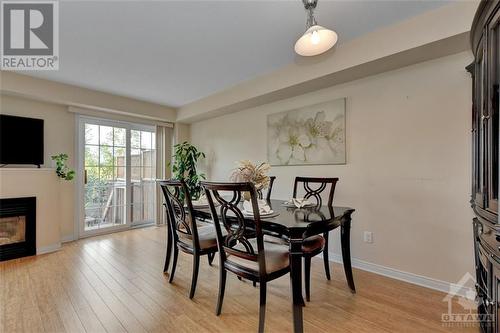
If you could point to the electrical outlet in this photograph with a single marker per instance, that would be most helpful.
(368, 237)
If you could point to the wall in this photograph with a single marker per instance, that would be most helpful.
(70, 95)
(49, 191)
(181, 133)
(408, 163)
(59, 137)
(431, 35)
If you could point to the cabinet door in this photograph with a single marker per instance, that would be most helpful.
(492, 112)
(479, 167)
(496, 296)
(486, 305)
(484, 270)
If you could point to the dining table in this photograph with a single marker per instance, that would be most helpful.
(295, 224)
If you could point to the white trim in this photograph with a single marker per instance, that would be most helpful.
(68, 238)
(48, 248)
(105, 231)
(119, 116)
(78, 179)
(412, 278)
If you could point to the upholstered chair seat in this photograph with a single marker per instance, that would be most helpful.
(313, 244)
(206, 237)
(277, 257)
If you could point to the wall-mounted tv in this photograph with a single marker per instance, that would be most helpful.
(21, 140)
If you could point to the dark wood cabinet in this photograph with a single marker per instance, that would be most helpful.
(485, 71)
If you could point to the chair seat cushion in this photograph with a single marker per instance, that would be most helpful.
(313, 243)
(206, 236)
(277, 257)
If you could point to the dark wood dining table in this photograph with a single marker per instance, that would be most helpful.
(296, 224)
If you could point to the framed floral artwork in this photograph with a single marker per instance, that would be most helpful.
(312, 134)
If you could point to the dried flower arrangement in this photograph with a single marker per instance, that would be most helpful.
(250, 172)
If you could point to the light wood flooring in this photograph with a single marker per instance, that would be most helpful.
(114, 283)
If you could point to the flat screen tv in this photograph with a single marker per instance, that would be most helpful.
(21, 140)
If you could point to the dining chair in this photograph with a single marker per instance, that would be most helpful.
(187, 234)
(313, 189)
(269, 189)
(243, 251)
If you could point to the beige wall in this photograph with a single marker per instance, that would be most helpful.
(22, 95)
(59, 137)
(70, 95)
(431, 35)
(181, 133)
(49, 191)
(408, 163)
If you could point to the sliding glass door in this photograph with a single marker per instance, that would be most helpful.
(143, 171)
(117, 168)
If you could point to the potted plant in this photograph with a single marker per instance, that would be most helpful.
(186, 156)
(62, 170)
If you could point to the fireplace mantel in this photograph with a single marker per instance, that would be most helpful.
(46, 187)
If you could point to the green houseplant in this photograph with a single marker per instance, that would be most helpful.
(62, 170)
(186, 157)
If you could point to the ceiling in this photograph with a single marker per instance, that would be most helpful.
(176, 52)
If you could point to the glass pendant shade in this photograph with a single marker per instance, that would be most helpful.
(316, 40)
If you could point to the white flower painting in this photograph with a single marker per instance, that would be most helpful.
(309, 135)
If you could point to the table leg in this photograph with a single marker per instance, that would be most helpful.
(345, 232)
(296, 283)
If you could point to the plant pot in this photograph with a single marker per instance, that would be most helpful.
(246, 196)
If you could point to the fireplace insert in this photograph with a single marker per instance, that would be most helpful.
(17, 227)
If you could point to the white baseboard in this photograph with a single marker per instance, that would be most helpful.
(67, 238)
(412, 278)
(48, 248)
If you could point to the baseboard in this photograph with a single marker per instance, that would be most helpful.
(419, 280)
(48, 248)
(67, 238)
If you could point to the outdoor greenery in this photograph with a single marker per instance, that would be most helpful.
(186, 156)
(62, 170)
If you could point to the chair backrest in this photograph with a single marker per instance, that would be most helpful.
(181, 218)
(269, 189)
(319, 185)
(239, 230)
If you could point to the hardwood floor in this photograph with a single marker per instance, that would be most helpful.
(114, 283)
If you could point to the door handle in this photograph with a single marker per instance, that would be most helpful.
(85, 176)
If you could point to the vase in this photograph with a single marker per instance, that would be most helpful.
(246, 196)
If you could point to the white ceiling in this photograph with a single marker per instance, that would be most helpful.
(175, 52)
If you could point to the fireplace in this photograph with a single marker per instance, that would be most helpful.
(17, 228)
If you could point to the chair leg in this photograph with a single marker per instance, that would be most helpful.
(169, 249)
(307, 277)
(262, 308)
(211, 257)
(222, 287)
(174, 263)
(325, 257)
(196, 265)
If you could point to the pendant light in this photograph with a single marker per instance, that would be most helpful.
(316, 39)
